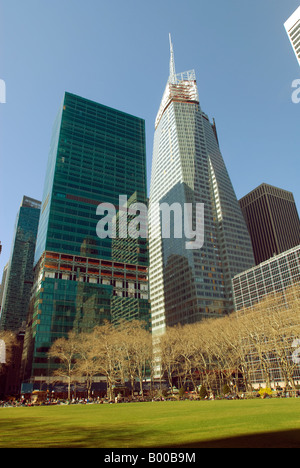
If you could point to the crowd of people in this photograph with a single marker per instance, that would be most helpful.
(46, 400)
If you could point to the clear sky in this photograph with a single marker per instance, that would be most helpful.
(116, 52)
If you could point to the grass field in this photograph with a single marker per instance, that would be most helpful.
(184, 424)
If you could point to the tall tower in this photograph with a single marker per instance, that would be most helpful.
(97, 154)
(18, 278)
(188, 284)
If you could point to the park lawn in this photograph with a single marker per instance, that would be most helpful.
(237, 423)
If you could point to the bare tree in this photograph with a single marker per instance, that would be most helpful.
(214, 351)
(135, 343)
(268, 330)
(169, 354)
(87, 359)
(284, 328)
(256, 329)
(65, 350)
(107, 354)
(141, 353)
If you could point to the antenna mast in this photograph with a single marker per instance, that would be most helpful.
(172, 77)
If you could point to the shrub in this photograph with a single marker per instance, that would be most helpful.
(265, 392)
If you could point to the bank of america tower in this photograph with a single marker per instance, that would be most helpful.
(189, 284)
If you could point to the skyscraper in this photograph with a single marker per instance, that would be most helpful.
(18, 279)
(2, 286)
(272, 219)
(97, 154)
(188, 284)
(292, 27)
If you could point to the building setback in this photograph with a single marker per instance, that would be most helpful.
(18, 278)
(97, 154)
(272, 219)
(187, 285)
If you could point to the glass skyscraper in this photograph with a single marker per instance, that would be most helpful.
(96, 154)
(18, 278)
(187, 285)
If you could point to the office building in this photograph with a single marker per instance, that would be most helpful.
(272, 219)
(292, 27)
(188, 284)
(17, 278)
(272, 276)
(97, 154)
(278, 275)
(2, 286)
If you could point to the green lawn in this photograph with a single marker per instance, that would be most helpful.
(185, 424)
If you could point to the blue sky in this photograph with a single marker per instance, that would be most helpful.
(116, 52)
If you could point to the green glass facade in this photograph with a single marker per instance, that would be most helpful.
(96, 154)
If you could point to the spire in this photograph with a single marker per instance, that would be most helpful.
(172, 76)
